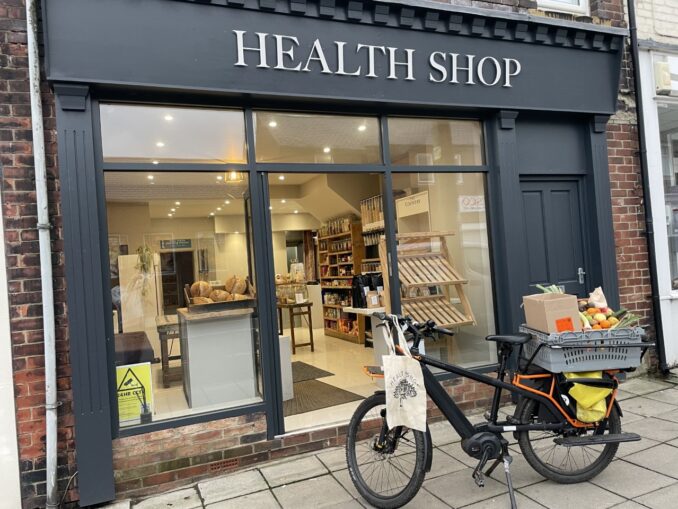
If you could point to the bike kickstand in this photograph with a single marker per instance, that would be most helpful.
(507, 468)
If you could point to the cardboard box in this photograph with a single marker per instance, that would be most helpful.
(552, 312)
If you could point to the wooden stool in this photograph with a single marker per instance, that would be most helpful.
(301, 309)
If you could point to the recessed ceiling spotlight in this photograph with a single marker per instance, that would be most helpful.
(362, 127)
(270, 207)
(177, 203)
(236, 232)
(283, 201)
(150, 177)
(211, 213)
(327, 150)
(218, 208)
(296, 211)
(281, 177)
(156, 162)
(160, 144)
(220, 177)
(169, 215)
(173, 210)
(273, 123)
(168, 117)
(227, 202)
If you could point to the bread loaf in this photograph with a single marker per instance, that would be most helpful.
(219, 295)
(201, 289)
(240, 286)
(202, 300)
(229, 284)
(239, 296)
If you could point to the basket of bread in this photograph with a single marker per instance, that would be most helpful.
(236, 292)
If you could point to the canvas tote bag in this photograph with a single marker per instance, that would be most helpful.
(404, 385)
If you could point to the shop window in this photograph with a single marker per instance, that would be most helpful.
(160, 134)
(307, 138)
(435, 142)
(668, 133)
(183, 304)
(444, 261)
(574, 6)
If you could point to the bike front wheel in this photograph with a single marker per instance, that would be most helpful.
(387, 466)
(559, 463)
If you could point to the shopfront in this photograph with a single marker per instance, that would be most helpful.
(256, 157)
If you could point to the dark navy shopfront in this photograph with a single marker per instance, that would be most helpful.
(530, 97)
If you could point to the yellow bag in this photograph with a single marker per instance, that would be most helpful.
(591, 405)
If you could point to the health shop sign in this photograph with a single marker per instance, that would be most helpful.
(203, 47)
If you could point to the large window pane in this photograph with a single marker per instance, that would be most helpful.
(160, 134)
(305, 138)
(668, 132)
(444, 261)
(435, 142)
(184, 309)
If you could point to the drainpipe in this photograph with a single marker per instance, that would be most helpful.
(647, 201)
(43, 226)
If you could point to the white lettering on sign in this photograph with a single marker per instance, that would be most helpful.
(369, 60)
(472, 203)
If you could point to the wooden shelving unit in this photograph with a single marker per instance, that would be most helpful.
(339, 264)
(429, 280)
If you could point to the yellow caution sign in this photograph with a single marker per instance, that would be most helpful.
(135, 393)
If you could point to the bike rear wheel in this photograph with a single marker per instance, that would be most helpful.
(559, 463)
(387, 473)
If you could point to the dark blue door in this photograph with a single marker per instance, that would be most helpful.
(554, 214)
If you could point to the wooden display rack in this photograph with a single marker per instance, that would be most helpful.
(425, 262)
(329, 262)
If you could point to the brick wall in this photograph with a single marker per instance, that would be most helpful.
(657, 20)
(23, 266)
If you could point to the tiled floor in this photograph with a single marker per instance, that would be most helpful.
(644, 474)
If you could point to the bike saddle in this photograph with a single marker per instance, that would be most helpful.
(513, 339)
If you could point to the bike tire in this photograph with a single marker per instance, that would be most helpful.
(360, 433)
(527, 412)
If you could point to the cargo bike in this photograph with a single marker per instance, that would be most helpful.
(388, 466)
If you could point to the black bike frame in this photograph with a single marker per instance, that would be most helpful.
(457, 418)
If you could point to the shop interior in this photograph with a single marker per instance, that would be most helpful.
(183, 280)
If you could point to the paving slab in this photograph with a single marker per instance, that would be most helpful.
(443, 433)
(458, 453)
(260, 500)
(503, 500)
(231, 486)
(627, 448)
(333, 459)
(661, 499)
(643, 385)
(458, 488)
(344, 478)
(522, 474)
(320, 492)
(120, 504)
(629, 480)
(622, 395)
(182, 499)
(425, 500)
(558, 496)
(629, 504)
(647, 407)
(661, 458)
(629, 417)
(665, 396)
(351, 504)
(293, 470)
(656, 429)
(669, 416)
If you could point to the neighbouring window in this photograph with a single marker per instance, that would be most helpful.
(183, 305)
(435, 142)
(310, 138)
(575, 6)
(444, 261)
(162, 134)
(668, 134)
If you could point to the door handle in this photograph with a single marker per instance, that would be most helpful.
(580, 275)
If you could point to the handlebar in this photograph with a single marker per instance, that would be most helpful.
(417, 329)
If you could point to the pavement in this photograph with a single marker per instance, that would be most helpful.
(643, 475)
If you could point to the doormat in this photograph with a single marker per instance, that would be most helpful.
(312, 395)
(302, 371)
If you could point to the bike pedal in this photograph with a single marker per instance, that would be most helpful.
(479, 479)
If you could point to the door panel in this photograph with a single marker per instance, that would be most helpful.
(553, 215)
